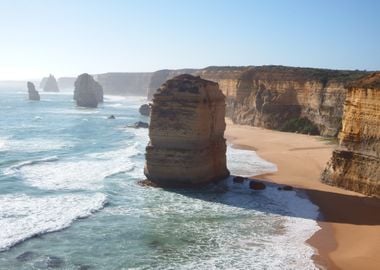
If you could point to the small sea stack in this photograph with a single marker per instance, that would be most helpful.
(187, 145)
(50, 85)
(33, 93)
(88, 92)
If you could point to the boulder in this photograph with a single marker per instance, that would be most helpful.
(51, 84)
(144, 109)
(33, 93)
(238, 179)
(256, 185)
(140, 124)
(187, 145)
(87, 93)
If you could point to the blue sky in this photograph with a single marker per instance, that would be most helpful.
(68, 37)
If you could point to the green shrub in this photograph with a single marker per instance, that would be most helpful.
(300, 125)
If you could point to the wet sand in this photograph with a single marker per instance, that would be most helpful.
(350, 222)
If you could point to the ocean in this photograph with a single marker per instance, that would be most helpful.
(70, 198)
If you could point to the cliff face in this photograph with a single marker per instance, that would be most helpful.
(187, 145)
(125, 84)
(292, 99)
(87, 92)
(161, 76)
(66, 82)
(51, 84)
(356, 164)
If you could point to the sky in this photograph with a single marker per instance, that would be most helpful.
(69, 37)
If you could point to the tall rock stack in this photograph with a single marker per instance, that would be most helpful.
(51, 84)
(33, 93)
(187, 145)
(87, 92)
(356, 164)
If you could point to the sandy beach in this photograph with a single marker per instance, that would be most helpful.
(350, 223)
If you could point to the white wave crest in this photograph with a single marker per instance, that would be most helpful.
(22, 216)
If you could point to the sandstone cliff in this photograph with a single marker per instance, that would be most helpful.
(356, 164)
(161, 76)
(87, 92)
(292, 99)
(32, 92)
(51, 84)
(66, 82)
(187, 145)
(124, 83)
(227, 78)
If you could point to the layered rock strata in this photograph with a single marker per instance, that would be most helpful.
(187, 145)
(356, 164)
(292, 99)
(51, 84)
(87, 92)
(32, 92)
(125, 83)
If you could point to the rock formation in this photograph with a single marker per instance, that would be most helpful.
(144, 109)
(33, 93)
(124, 83)
(356, 164)
(87, 92)
(66, 82)
(186, 132)
(51, 84)
(292, 99)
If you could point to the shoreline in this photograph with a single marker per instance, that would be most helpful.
(349, 237)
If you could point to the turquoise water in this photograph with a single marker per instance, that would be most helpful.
(69, 198)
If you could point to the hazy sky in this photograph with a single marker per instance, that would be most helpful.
(68, 37)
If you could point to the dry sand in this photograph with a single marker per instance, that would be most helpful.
(350, 222)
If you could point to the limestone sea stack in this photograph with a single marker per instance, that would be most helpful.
(51, 84)
(355, 165)
(33, 93)
(87, 92)
(187, 145)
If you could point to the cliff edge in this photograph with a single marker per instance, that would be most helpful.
(356, 164)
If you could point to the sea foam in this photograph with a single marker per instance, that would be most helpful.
(22, 216)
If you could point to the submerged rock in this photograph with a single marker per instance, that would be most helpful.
(51, 84)
(144, 109)
(111, 117)
(256, 185)
(140, 124)
(238, 179)
(187, 145)
(26, 256)
(87, 93)
(286, 188)
(33, 93)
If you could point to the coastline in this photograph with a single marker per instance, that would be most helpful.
(349, 237)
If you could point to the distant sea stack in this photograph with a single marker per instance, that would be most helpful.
(356, 164)
(51, 84)
(187, 145)
(33, 93)
(87, 92)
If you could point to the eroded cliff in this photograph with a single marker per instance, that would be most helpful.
(124, 83)
(356, 164)
(292, 99)
(187, 145)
